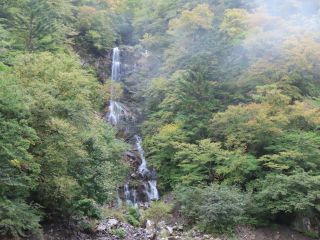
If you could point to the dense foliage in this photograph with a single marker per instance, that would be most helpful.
(229, 91)
(59, 160)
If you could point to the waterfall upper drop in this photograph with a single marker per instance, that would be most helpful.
(117, 110)
(115, 74)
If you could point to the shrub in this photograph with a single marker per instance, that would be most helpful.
(88, 207)
(114, 213)
(215, 208)
(133, 216)
(159, 211)
(87, 225)
(119, 232)
(18, 218)
(222, 208)
(188, 200)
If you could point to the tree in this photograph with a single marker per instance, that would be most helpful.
(76, 148)
(95, 30)
(281, 194)
(38, 24)
(19, 169)
(215, 208)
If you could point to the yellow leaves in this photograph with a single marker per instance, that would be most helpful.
(16, 163)
(235, 22)
(114, 4)
(148, 40)
(87, 10)
(280, 161)
(200, 17)
(302, 51)
(272, 95)
(169, 130)
(159, 84)
(66, 187)
(309, 113)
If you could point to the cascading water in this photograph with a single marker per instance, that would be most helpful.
(117, 110)
(127, 193)
(115, 74)
(118, 114)
(150, 189)
(143, 170)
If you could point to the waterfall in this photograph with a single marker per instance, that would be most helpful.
(143, 170)
(134, 198)
(115, 74)
(127, 193)
(117, 115)
(151, 190)
(117, 110)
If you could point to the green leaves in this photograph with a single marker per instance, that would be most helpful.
(38, 24)
(298, 192)
(17, 218)
(53, 143)
(215, 208)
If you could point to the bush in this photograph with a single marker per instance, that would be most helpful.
(222, 208)
(188, 200)
(133, 216)
(88, 207)
(18, 218)
(119, 232)
(119, 214)
(159, 211)
(215, 208)
(87, 225)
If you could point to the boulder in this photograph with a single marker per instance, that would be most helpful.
(102, 227)
(170, 229)
(112, 223)
(305, 224)
(150, 229)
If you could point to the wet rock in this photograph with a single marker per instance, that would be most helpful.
(102, 227)
(112, 223)
(170, 229)
(134, 175)
(162, 225)
(178, 228)
(151, 229)
(131, 155)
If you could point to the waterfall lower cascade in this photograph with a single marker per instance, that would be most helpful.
(150, 189)
(145, 189)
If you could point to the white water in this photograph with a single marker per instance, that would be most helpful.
(151, 190)
(127, 193)
(143, 169)
(115, 74)
(134, 198)
(117, 110)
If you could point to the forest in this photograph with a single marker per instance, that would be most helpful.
(228, 98)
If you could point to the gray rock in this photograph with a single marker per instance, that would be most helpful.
(150, 229)
(162, 225)
(112, 223)
(101, 227)
(170, 229)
